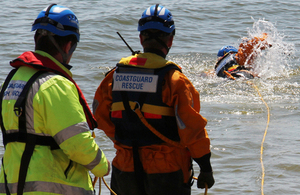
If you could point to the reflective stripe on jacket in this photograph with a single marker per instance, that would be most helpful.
(52, 109)
(179, 94)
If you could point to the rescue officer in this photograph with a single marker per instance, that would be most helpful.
(234, 62)
(150, 110)
(45, 119)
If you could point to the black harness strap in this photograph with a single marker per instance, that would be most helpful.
(5, 84)
(19, 106)
(163, 71)
(41, 140)
(5, 180)
(26, 156)
(127, 107)
(30, 139)
(138, 165)
(138, 168)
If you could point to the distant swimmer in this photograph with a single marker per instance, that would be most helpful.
(234, 63)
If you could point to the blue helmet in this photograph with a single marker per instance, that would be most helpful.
(157, 17)
(59, 20)
(224, 50)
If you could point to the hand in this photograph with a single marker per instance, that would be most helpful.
(205, 178)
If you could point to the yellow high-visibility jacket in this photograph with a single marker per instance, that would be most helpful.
(53, 110)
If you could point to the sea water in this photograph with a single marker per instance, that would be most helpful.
(237, 117)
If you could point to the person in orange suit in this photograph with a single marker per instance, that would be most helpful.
(234, 62)
(144, 89)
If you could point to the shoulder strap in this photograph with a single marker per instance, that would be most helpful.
(30, 140)
(163, 71)
(19, 106)
(26, 156)
(4, 86)
(5, 179)
(30, 143)
(135, 114)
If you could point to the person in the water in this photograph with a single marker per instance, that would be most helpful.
(233, 63)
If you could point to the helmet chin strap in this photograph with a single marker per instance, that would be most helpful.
(64, 55)
(155, 36)
(162, 43)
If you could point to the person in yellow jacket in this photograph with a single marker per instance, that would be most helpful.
(150, 110)
(45, 120)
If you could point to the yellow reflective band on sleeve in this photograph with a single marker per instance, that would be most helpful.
(160, 110)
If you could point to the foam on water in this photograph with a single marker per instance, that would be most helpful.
(276, 60)
(235, 113)
(276, 67)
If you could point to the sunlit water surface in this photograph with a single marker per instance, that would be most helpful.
(237, 117)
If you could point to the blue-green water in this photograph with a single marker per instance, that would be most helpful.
(237, 117)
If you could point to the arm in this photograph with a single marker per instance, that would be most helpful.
(249, 49)
(65, 120)
(178, 92)
(102, 105)
(181, 94)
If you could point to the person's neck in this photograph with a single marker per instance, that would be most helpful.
(59, 58)
(155, 51)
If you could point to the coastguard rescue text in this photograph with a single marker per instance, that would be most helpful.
(135, 82)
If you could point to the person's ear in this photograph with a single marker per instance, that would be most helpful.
(170, 41)
(141, 39)
(67, 47)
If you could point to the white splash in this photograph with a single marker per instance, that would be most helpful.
(274, 61)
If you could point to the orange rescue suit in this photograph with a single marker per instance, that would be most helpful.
(178, 93)
(247, 51)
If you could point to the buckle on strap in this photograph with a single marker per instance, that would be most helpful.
(136, 106)
(18, 111)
